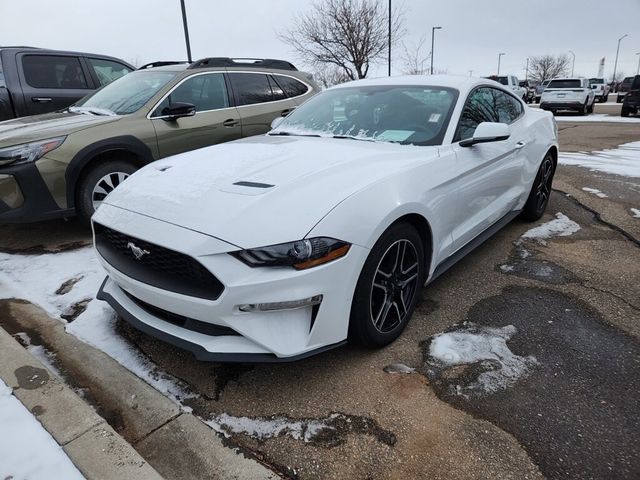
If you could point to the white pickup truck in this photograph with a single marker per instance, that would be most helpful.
(600, 89)
(512, 83)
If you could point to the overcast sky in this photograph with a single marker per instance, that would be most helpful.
(473, 32)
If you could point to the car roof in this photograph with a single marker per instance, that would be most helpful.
(18, 49)
(462, 83)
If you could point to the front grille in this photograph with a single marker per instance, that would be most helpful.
(158, 266)
(184, 322)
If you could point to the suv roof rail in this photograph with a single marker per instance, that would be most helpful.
(242, 62)
(160, 64)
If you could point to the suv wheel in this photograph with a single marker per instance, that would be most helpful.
(590, 107)
(625, 112)
(388, 288)
(98, 183)
(583, 109)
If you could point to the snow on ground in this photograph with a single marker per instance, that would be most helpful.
(263, 428)
(27, 451)
(624, 160)
(562, 226)
(597, 117)
(635, 212)
(484, 345)
(56, 282)
(595, 192)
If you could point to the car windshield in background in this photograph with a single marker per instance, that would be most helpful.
(502, 80)
(564, 84)
(408, 115)
(596, 81)
(635, 85)
(126, 94)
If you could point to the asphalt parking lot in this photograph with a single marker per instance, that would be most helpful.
(574, 303)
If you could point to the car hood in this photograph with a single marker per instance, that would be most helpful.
(261, 190)
(39, 127)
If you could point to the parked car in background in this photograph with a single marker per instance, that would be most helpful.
(36, 80)
(623, 88)
(539, 89)
(600, 89)
(63, 163)
(631, 100)
(277, 247)
(568, 94)
(529, 89)
(510, 82)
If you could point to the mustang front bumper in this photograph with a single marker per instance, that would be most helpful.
(216, 330)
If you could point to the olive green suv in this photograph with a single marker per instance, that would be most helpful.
(65, 163)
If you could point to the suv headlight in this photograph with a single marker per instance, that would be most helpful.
(300, 255)
(29, 152)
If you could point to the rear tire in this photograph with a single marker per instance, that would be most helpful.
(97, 183)
(625, 112)
(590, 107)
(388, 287)
(540, 191)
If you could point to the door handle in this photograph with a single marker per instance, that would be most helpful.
(286, 111)
(41, 99)
(520, 145)
(232, 122)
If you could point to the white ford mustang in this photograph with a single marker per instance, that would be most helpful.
(276, 247)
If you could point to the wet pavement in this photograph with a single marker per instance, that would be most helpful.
(354, 413)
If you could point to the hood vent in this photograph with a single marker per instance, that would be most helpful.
(253, 184)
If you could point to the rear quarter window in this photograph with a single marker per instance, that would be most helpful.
(291, 86)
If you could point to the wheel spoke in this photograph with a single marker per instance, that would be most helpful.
(384, 311)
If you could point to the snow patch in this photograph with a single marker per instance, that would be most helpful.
(635, 212)
(624, 160)
(486, 346)
(595, 191)
(39, 279)
(596, 117)
(562, 226)
(264, 428)
(27, 451)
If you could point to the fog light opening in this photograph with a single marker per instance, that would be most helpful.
(273, 306)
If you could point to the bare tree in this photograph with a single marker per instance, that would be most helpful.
(415, 59)
(329, 75)
(546, 67)
(349, 34)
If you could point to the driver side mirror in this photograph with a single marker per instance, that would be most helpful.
(178, 110)
(488, 132)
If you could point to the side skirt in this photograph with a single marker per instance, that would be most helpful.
(450, 261)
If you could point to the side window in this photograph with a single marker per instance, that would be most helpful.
(480, 107)
(291, 86)
(51, 71)
(251, 88)
(206, 92)
(487, 105)
(278, 93)
(106, 70)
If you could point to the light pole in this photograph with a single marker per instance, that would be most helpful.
(186, 30)
(526, 73)
(471, 73)
(389, 37)
(499, 57)
(638, 69)
(615, 65)
(574, 61)
(433, 33)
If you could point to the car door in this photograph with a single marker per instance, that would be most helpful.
(52, 81)
(259, 99)
(490, 174)
(216, 119)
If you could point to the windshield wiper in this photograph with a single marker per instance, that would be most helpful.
(92, 111)
(349, 137)
(289, 134)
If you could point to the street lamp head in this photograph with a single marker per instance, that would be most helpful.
(502, 54)
(624, 36)
(437, 28)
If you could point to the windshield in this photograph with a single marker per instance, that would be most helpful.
(126, 94)
(408, 115)
(564, 84)
(596, 81)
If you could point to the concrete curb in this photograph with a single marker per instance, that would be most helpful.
(91, 444)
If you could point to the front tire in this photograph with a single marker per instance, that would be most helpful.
(540, 191)
(388, 288)
(98, 183)
(625, 112)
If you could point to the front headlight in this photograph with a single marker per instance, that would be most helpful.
(29, 152)
(300, 255)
